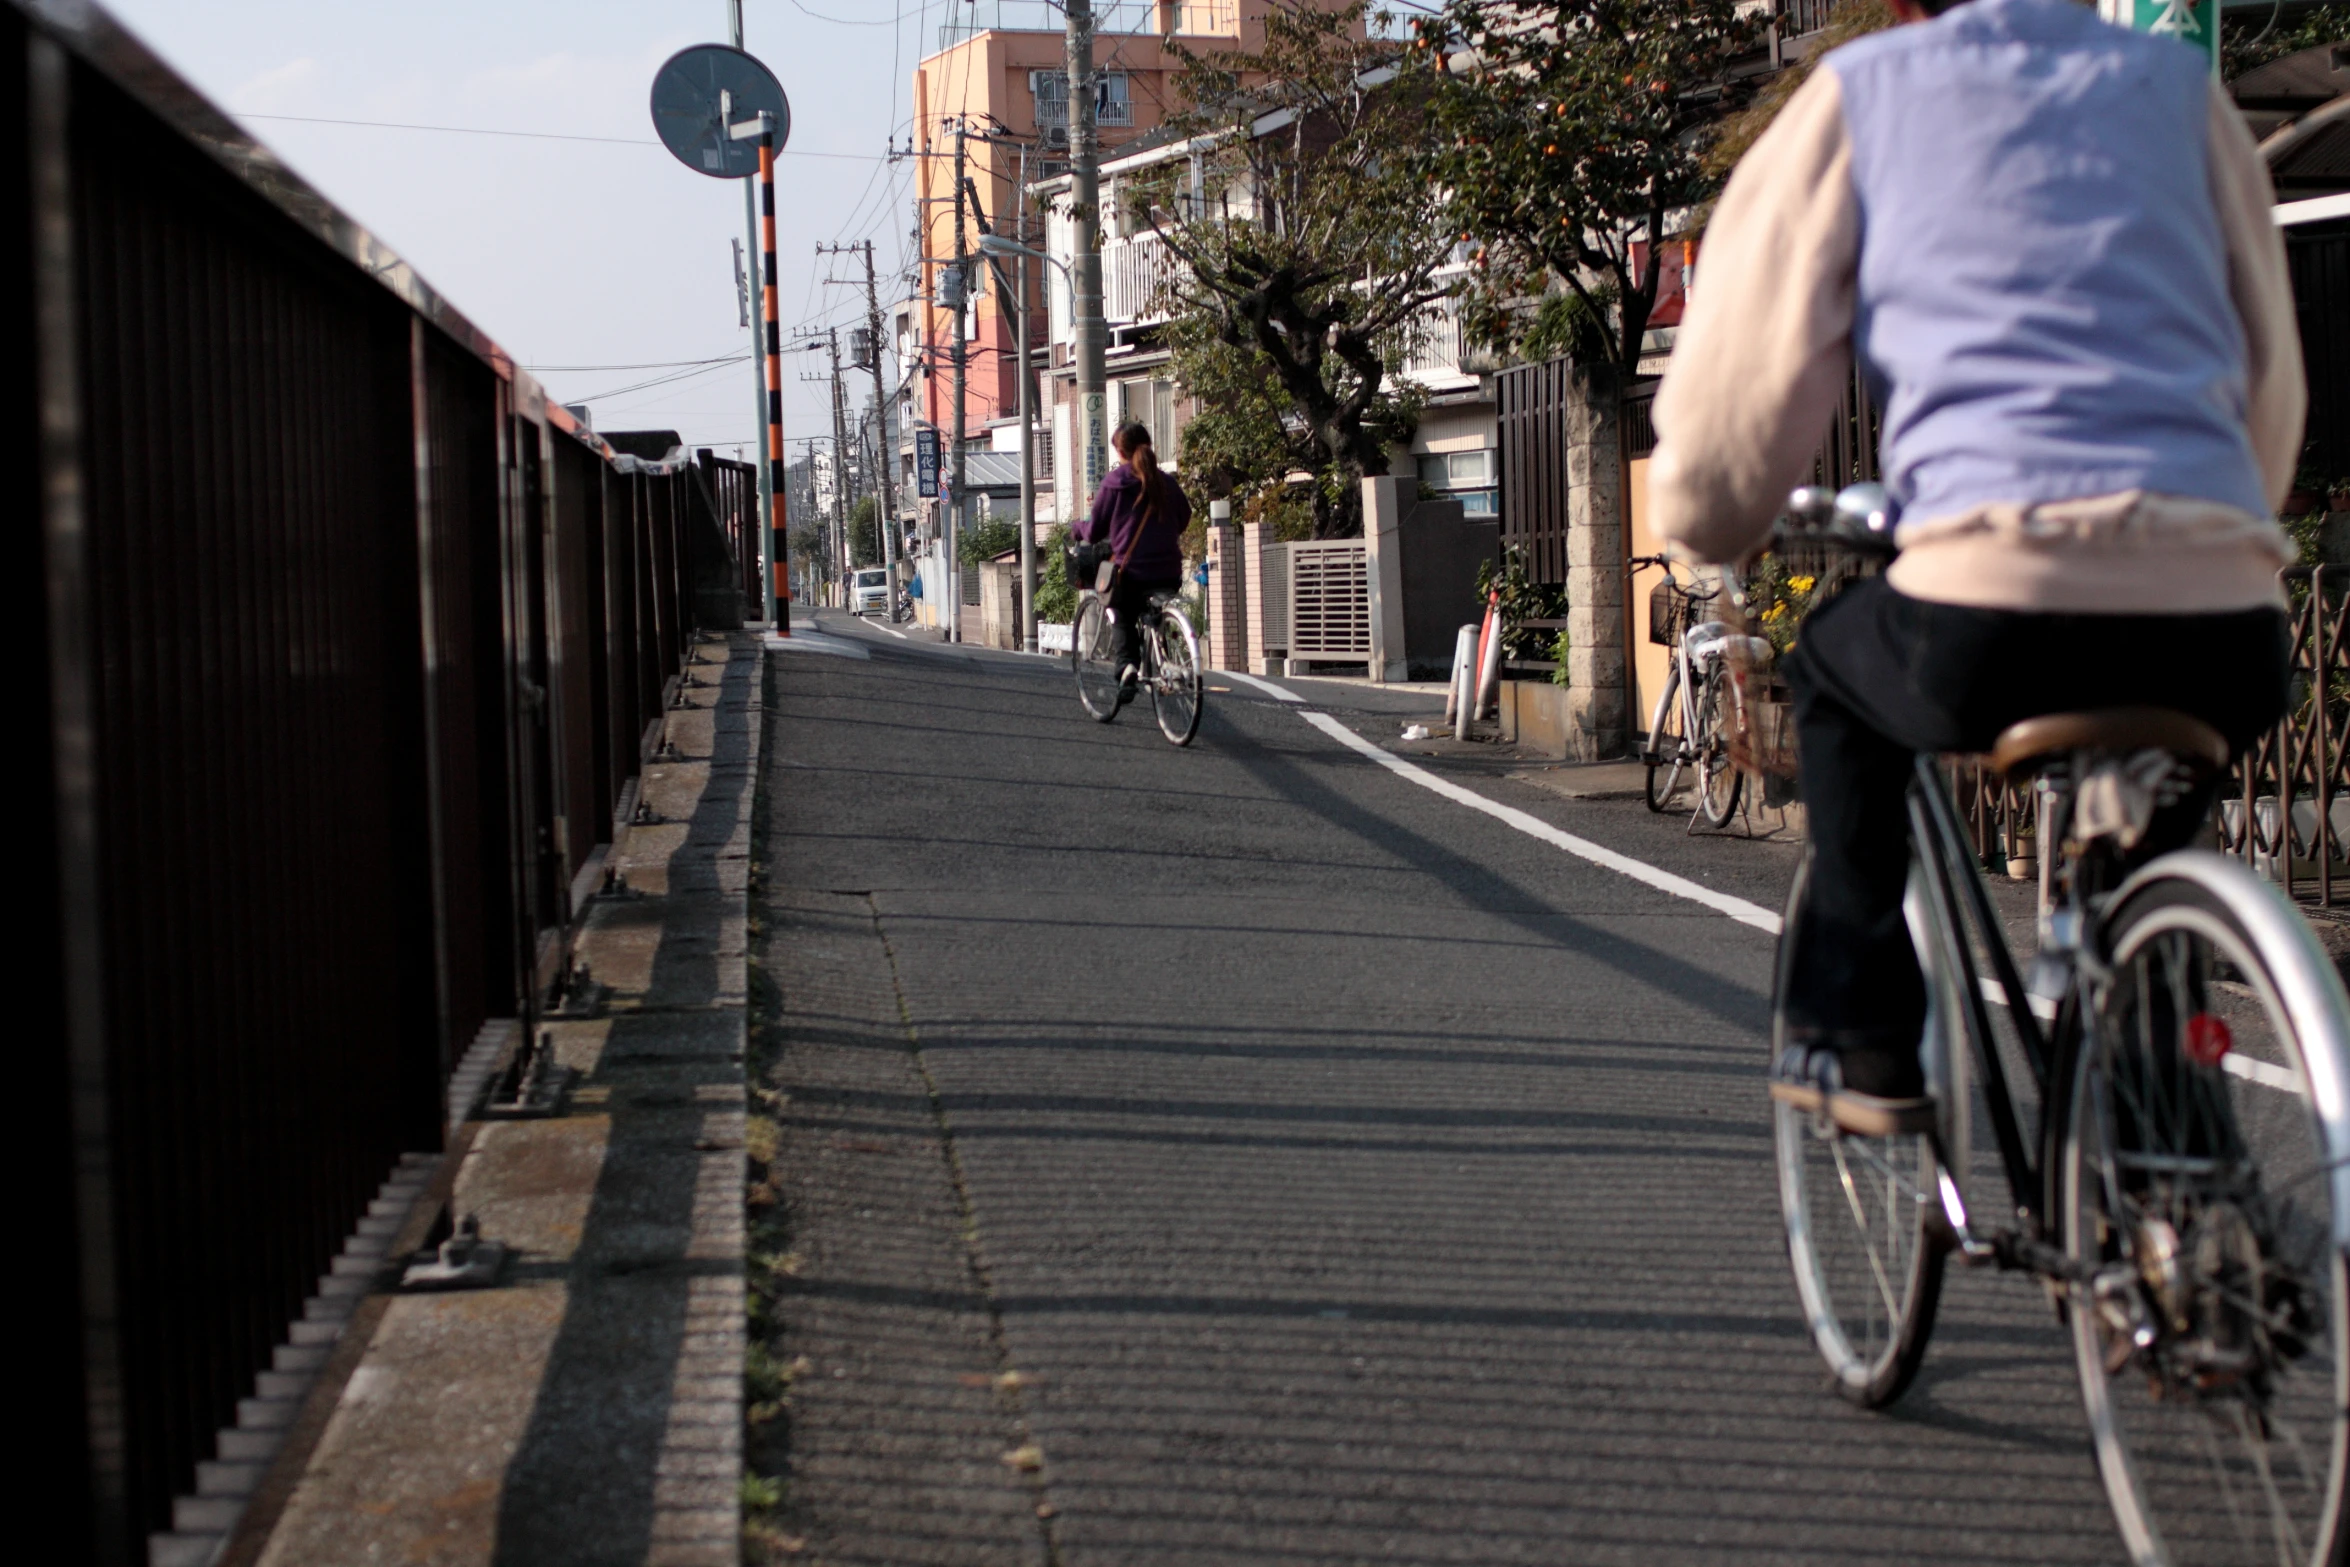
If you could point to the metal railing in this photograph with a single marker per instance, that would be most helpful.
(348, 649)
(2287, 810)
(1798, 17)
(1435, 346)
(1215, 18)
(1135, 271)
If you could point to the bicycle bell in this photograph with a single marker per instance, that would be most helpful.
(1863, 514)
(1811, 503)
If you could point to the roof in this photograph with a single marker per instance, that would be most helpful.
(2299, 107)
(651, 444)
(991, 473)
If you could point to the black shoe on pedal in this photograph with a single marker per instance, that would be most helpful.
(1872, 1092)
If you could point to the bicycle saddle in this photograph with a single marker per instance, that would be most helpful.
(2022, 747)
(1162, 600)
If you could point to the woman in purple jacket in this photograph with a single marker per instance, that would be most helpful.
(1140, 513)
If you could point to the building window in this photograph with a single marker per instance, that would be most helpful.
(1467, 477)
(1112, 104)
(1150, 402)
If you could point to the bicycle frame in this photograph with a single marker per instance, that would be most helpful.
(1681, 685)
(1957, 890)
(1955, 885)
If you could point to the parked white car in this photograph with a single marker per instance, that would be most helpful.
(869, 591)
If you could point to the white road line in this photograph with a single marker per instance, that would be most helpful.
(817, 642)
(2243, 1066)
(1532, 826)
(1265, 686)
(1739, 909)
(2267, 1076)
(2042, 1008)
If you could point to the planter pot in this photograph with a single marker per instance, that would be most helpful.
(1534, 717)
(2300, 503)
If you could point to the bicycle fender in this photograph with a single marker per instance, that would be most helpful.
(2308, 984)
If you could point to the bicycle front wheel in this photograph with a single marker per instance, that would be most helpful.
(1718, 780)
(1666, 744)
(1093, 654)
(1861, 1212)
(1178, 691)
(2197, 1188)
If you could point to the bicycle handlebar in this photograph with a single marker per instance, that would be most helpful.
(1860, 518)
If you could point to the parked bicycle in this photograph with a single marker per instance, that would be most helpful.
(2185, 1196)
(1170, 668)
(1696, 711)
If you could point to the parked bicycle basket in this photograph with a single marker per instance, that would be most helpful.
(1673, 609)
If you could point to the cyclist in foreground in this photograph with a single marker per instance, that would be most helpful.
(1139, 515)
(2048, 242)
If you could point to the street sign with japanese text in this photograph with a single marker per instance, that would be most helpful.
(926, 462)
(1097, 441)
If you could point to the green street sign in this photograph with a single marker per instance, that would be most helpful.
(2194, 23)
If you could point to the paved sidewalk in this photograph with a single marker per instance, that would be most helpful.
(588, 1409)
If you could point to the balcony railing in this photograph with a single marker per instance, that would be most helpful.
(1798, 17)
(1133, 272)
(1146, 17)
(1437, 346)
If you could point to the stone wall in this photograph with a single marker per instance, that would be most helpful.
(1595, 569)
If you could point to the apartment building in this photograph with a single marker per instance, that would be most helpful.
(991, 117)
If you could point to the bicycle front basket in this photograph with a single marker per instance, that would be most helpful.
(1085, 560)
(1668, 612)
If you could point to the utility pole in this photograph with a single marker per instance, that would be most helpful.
(954, 564)
(887, 521)
(1027, 432)
(768, 559)
(840, 463)
(1085, 266)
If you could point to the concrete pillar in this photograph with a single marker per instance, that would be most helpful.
(1595, 568)
(1227, 591)
(1253, 535)
(1385, 503)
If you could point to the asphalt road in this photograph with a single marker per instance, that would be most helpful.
(1339, 1173)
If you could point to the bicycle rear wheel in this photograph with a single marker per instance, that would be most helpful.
(1177, 688)
(1665, 743)
(1862, 1213)
(1718, 780)
(1093, 654)
(2199, 1180)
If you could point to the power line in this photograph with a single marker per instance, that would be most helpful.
(482, 130)
(658, 364)
(840, 21)
(662, 380)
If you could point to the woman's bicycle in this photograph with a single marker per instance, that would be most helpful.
(1691, 727)
(1170, 662)
(2185, 1195)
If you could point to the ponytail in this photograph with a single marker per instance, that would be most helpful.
(1134, 444)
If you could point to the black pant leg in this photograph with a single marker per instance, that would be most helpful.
(1853, 967)
(1130, 601)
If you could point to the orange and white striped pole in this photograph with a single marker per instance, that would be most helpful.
(781, 587)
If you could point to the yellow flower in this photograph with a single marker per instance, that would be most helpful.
(1773, 613)
(1803, 584)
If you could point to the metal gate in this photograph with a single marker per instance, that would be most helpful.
(1330, 600)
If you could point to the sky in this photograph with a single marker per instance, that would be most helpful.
(581, 253)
